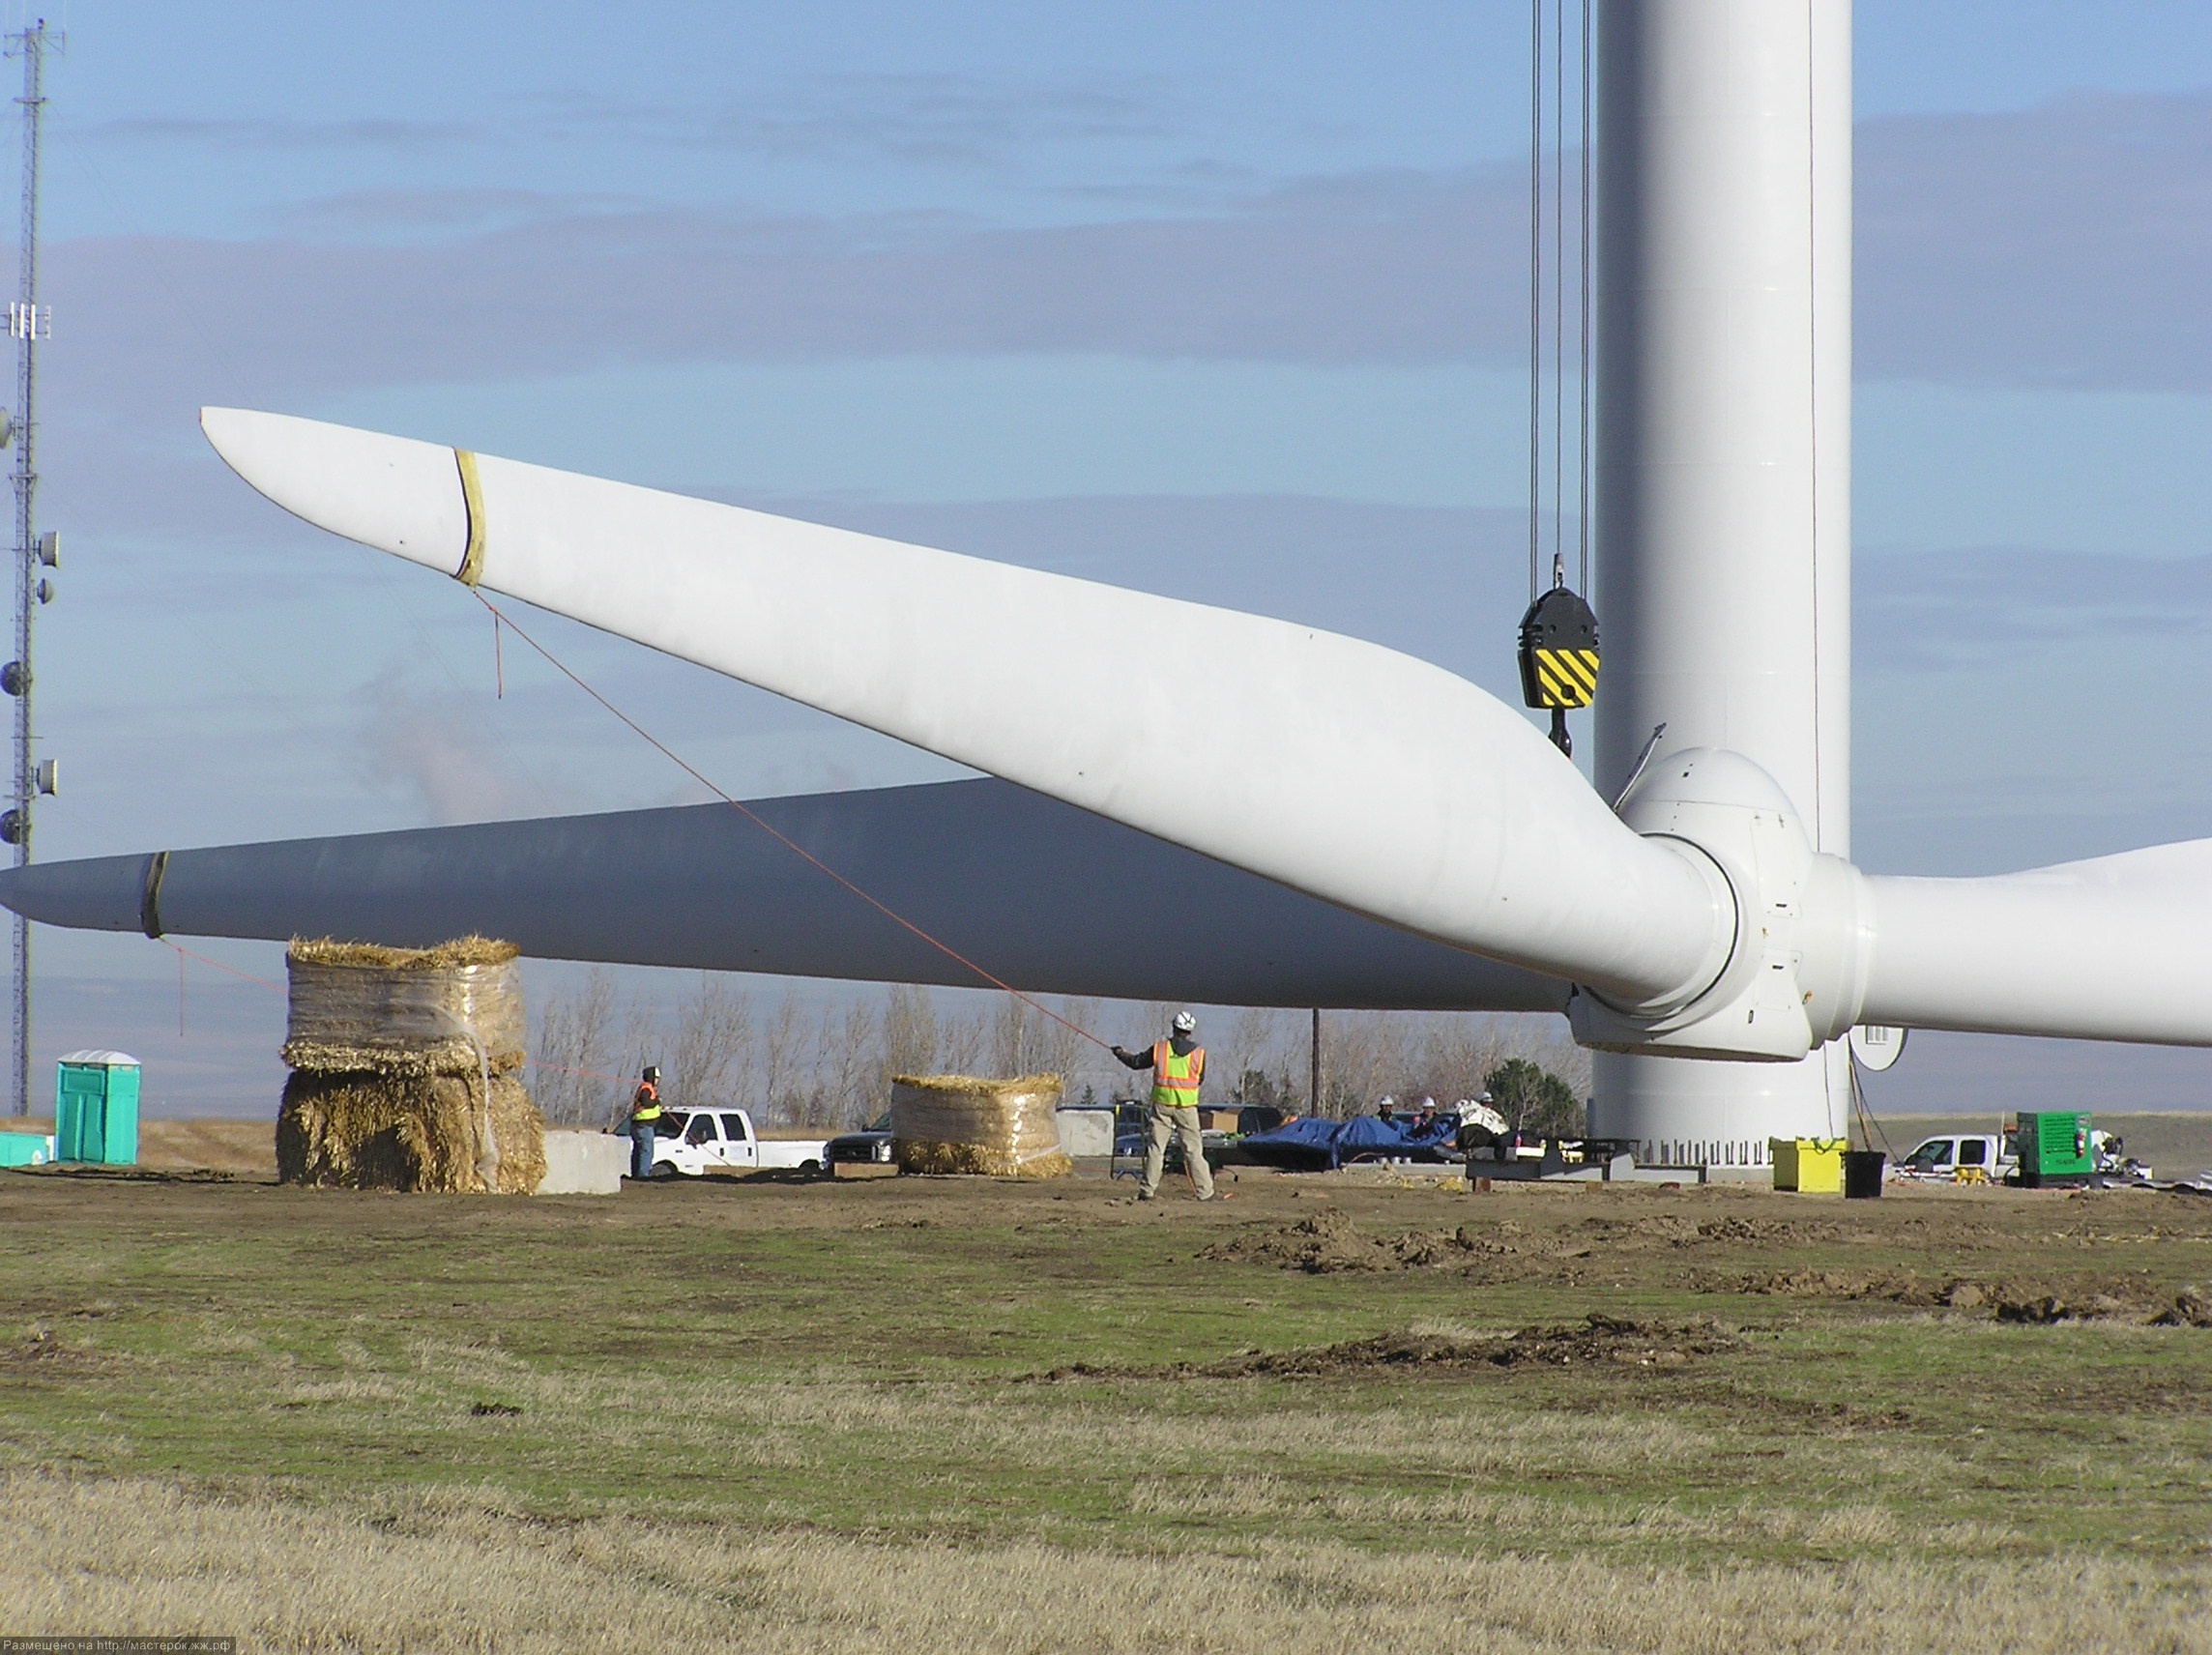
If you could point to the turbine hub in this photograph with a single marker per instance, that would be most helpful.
(1788, 968)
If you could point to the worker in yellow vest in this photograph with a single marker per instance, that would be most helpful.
(644, 1121)
(1178, 1067)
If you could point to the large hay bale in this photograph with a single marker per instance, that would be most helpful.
(357, 1007)
(956, 1123)
(380, 1129)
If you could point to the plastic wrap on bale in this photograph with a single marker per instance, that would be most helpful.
(957, 1123)
(356, 1005)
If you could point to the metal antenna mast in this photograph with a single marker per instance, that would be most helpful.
(28, 322)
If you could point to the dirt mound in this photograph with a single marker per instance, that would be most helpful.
(2029, 1304)
(2188, 1308)
(2191, 1308)
(1597, 1339)
(1330, 1243)
(1841, 1284)
(1764, 1230)
(1680, 1230)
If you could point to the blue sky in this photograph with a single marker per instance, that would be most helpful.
(1101, 287)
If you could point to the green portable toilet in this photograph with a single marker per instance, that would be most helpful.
(96, 1107)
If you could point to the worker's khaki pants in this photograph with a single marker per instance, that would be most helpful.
(1167, 1123)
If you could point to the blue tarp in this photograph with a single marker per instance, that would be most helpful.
(1318, 1142)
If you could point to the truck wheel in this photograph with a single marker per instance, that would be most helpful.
(812, 1169)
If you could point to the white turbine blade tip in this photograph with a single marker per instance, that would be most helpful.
(394, 493)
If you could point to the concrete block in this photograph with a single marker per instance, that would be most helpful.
(1086, 1133)
(584, 1163)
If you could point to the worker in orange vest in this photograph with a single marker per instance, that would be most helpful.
(1178, 1068)
(644, 1121)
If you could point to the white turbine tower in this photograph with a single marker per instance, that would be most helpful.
(1723, 461)
(1706, 934)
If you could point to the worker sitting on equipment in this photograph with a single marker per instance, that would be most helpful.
(1177, 1065)
(644, 1121)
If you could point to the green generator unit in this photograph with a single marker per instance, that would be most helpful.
(2055, 1148)
(96, 1107)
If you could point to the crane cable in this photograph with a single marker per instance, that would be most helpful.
(501, 618)
(1535, 286)
(1559, 283)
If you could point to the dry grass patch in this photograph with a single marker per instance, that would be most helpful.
(461, 1571)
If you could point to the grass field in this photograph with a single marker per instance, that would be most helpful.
(918, 1413)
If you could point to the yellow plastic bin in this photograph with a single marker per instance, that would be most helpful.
(1810, 1166)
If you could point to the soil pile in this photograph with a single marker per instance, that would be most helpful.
(1596, 1341)
(2031, 1304)
(1621, 1341)
(1330, 1243)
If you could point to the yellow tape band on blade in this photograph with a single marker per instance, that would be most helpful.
(472, 496)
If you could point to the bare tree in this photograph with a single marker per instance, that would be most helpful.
(714, 1046)
(783, 1058)
(852, 1076)
(1152, 1019)
(960, 1043)
(572, 1075)
(909, 1031)
(1246, 1057)
(1066, 1051)
(1441, 1055)
(1017, 1038)
(1361, 1060)
(640, 1045)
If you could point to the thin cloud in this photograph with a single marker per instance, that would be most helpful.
(933, 120)
(378, 212)
(1908, 605)
(936, 118)
(274, 134)
(2067, 245)
(1393, 269)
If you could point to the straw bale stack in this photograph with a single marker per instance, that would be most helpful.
(956, 1123)
(365, 1129)
(403, 1067)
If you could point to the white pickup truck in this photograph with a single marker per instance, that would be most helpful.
(1960, 1159)
(695, 1142)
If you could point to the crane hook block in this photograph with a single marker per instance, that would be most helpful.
(1558, 651)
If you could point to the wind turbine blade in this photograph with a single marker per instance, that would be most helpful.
(1344, 770)
(2115, 949)
(1048, 898)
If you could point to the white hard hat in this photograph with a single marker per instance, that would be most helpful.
(1184, 1022)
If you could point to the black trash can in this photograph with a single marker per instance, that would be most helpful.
(1862, 1173)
